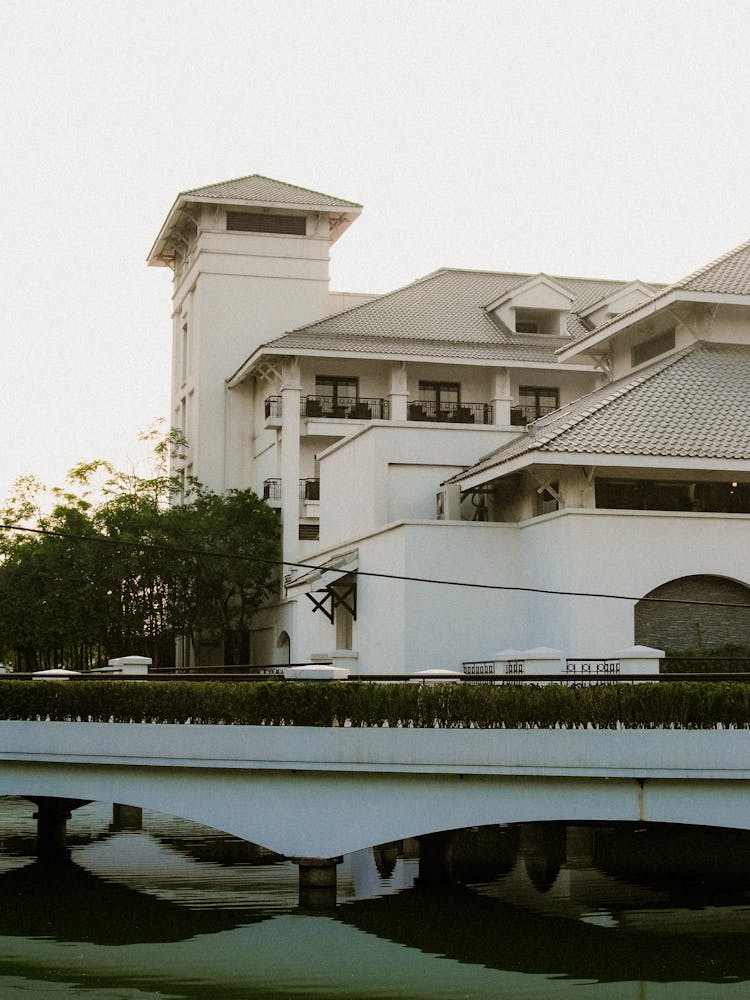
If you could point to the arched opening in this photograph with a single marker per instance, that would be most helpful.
(709, 623)
(284, 644)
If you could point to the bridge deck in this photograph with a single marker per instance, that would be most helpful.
(324, 792)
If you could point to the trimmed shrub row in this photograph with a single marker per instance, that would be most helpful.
(685, 705)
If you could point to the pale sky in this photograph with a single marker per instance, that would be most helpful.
(597, 139)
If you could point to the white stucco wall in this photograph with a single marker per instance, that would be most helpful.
(241, 290)
(388, 471)
(407, 626)
(623, 552)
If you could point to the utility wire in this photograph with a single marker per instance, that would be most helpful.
(235, 556)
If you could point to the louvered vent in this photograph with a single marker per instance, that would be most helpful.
(255, 222)
(309, 532)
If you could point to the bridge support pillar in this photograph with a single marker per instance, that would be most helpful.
(51, 817)
(317, 883)
(436, 857)
(126, 817)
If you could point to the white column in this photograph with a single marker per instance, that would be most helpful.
(291, 391)
(501, 397)
(399, 393)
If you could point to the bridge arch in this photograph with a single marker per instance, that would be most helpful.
(682, 626)
(324, 792)
(321, 815)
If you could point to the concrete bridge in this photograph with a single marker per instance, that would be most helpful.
(320, 793)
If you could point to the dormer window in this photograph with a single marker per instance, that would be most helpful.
(527, 326)
(546, 322)
(536, 307)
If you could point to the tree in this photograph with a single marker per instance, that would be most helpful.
(218, 594)
(123, 568)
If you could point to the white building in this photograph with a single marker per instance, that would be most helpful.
(532, 434)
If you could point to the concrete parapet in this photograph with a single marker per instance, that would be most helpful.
(316, 672)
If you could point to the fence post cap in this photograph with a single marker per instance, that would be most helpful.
(640, 653)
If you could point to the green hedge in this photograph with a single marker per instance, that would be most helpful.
(677, 704)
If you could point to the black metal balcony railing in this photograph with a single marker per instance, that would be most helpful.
(272, 489)
(309, 489)
(345, 407)
(521, 415)
(273, 406)
(450, 413)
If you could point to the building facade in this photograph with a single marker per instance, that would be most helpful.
(476, 462)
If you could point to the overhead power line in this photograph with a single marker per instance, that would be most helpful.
(398, 577)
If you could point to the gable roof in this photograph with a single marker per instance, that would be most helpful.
(442, 314)
(694, 404)
(526, 286)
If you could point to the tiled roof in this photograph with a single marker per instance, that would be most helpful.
(729, 274)
(266, 190)
(693, 404)
(413, 346)
(442, 314)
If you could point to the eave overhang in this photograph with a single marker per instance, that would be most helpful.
(246, 370)
(341, 218)
(557, 459)
(601, 337)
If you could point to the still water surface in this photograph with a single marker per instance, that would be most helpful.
(178, 911)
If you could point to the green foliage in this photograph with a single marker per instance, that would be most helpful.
(124, 569)
(359, 704)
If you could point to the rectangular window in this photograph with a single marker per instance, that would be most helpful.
(536, 401)
(258, 222)
(336, 394)
(538, 321)
(439, 400)
(184, 352)
(652, 348)
(344, 630)
(642, 494)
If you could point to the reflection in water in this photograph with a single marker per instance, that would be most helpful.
(536, 911)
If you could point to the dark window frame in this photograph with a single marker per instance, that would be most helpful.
(439, 386)
(652, 348)
(338, 382)
(260, 222)
(537, 391)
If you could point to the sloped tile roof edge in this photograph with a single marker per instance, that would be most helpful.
(702, 271)
(210, 190)
(578, 411)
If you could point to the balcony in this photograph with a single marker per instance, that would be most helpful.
(272, 490)
(522, 415)
(345, 408)
(272, 407)
(309, 489)
(450, 413)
